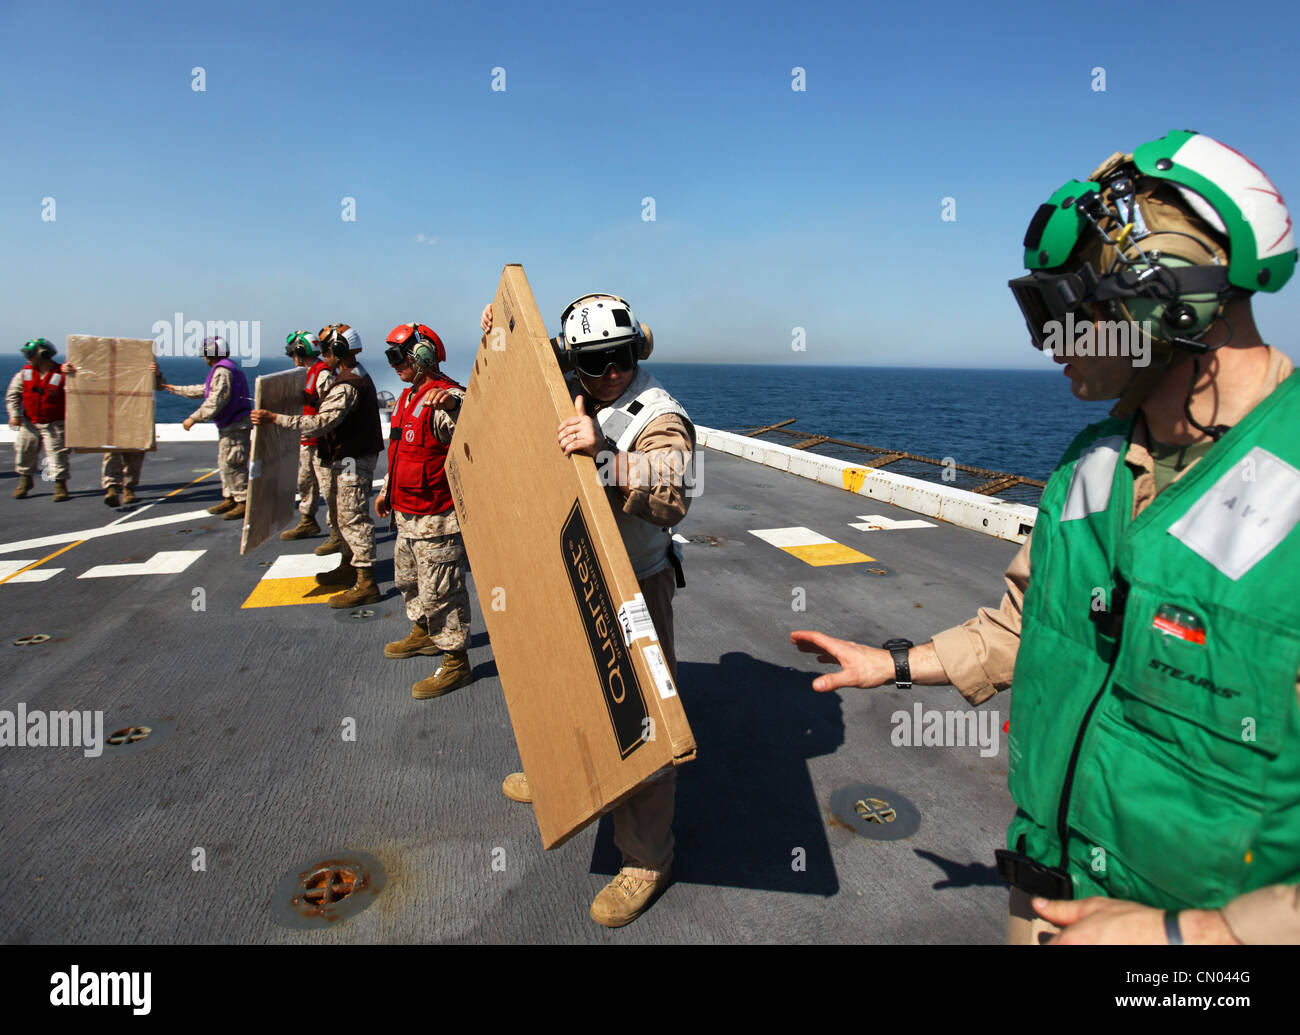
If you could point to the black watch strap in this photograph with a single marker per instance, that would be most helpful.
(902, 671)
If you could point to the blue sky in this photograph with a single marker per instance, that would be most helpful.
(774, 209)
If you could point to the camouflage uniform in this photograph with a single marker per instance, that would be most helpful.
(429, 562)
(345, 484)
(122, 470)
(308, 490)
(313, 484)
(29, 438)
(233, 445)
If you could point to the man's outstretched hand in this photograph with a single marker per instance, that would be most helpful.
(860, 665)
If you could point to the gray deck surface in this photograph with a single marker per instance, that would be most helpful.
(254, 770)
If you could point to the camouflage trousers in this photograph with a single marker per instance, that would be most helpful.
(324, 475)
(232, 462)
(349, 506)
(643, 825)
(122, 470)
(308, 491)
(27, 448)
(430, 573)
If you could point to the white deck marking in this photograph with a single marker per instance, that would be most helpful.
(796, 536)
(8, 568)
(134, 513)
(878, 523)
(167, 562)
(96, 533)
(300, 565)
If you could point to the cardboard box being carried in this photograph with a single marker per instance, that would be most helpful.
(593, 707)
(272, 458)
(110, 397)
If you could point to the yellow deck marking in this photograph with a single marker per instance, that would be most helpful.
(821, 554)
(195, 482)
(854, 477)
(37, 564)
(809, 546)
(283, 592)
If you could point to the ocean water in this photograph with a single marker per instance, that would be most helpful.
(1018, 421)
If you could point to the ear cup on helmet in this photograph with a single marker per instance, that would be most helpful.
(647, 342)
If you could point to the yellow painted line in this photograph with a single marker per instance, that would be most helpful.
(37, 564)
(195, 482)
(854, 477)
(821, 554)
(283, 592)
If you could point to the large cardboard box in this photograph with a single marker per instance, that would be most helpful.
(110, 397)
(272, 458)
(593, 708)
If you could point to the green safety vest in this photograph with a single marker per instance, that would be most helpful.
(1155, 684)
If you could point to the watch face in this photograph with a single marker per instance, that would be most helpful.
(896, 644)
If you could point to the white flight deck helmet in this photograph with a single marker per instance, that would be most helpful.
(598, 322)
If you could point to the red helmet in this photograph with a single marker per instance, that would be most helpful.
(417, 341)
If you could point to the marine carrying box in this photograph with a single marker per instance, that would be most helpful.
(110, 397)
(594, 710)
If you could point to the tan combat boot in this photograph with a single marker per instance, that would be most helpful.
(363, 591)
(515, 787)
(343, 575)
(220, 508)
(304, 529)
(334, 544)
(128, 496)
(625, 898)
(110, 497)
(24, 487)
(417, 642)
(235, 513)
(452, 674)
(60, 490)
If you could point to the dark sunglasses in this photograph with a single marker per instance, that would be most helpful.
(594, 362)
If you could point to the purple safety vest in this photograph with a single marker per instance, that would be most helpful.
(240, 404)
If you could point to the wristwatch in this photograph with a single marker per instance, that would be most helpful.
(902, 672)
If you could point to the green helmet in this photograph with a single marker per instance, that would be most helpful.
(38, 347)
(301, 344)
(1163, 237)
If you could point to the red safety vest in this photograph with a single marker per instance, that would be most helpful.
(311, 395)
(417, 483)
(43, 400)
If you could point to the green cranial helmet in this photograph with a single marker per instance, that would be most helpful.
(1162, 237)
(38, 347)
(302, 344)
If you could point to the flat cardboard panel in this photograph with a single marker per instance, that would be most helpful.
(273, 458)
(110, 397)
(554, 581)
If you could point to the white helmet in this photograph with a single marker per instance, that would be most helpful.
(598, 321)
(216, 347)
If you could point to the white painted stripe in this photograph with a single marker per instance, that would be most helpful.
(679, 538)
(134, 513)
(796, 536)
(879, 523)
(300, 565)
(167, 562)
(7, 568)
(1244, 515)
(98, 533)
